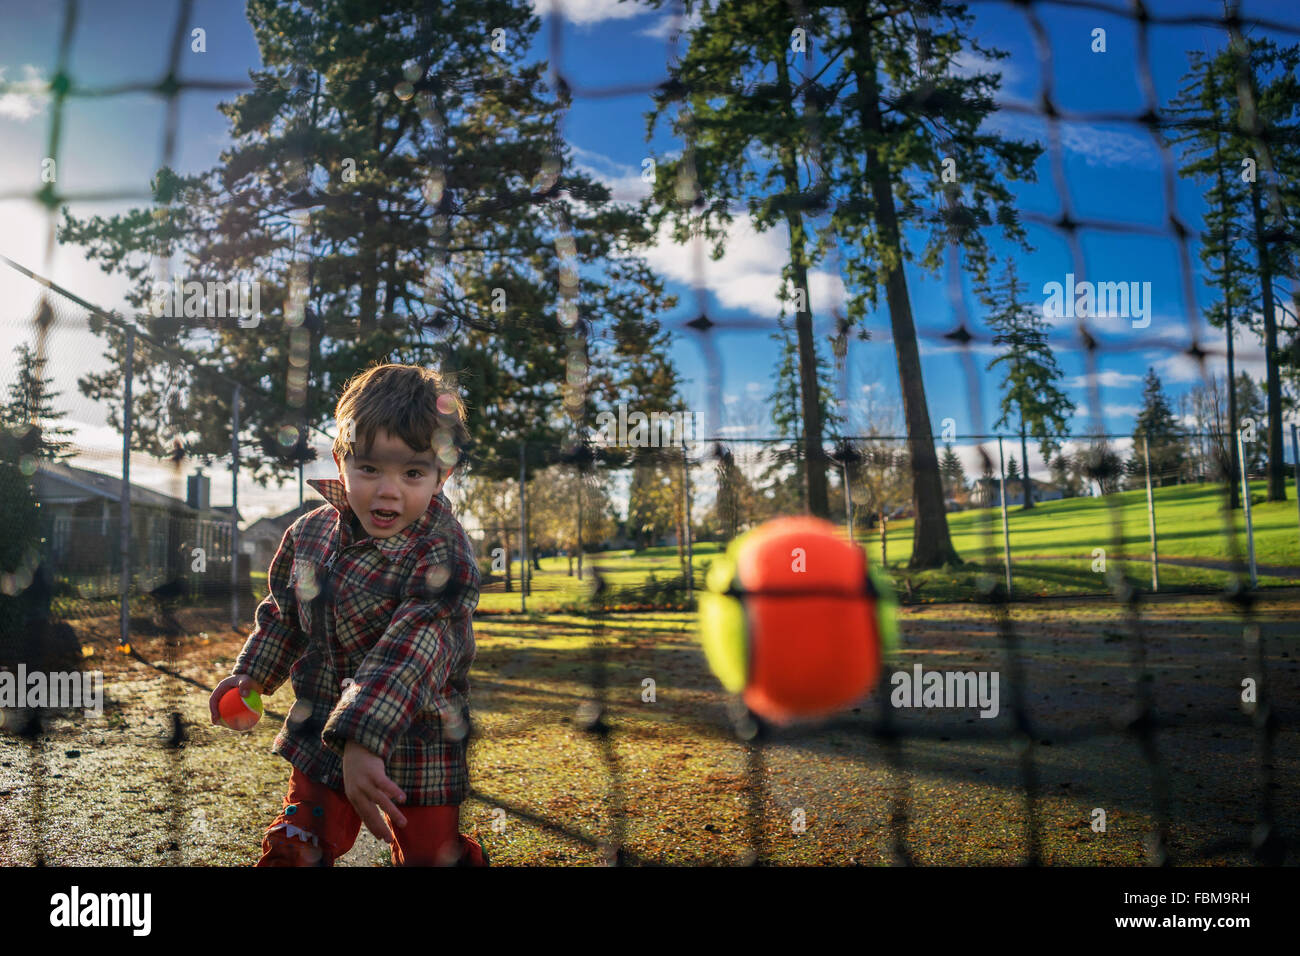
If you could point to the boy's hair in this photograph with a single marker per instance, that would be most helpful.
(416, 404)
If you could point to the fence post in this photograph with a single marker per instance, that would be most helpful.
(124, 514)
(1245, 491)
(1295, 456)
(686, 509)
(848, 498)
(234, 511)
(1006, 530)
(1151, 518)
(523, 534)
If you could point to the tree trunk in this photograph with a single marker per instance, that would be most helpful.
(1026, 482)
(1234, 499)
(931, 543)
(884, 554)
(816, 493)
(1276, 467)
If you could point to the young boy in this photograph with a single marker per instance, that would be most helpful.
(369, 616)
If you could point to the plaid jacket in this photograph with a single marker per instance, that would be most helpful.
(393, 616)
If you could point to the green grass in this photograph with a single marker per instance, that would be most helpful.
(1052, 550)
(1053, 544)
(1189, 523)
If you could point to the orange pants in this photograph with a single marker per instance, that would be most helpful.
(318, 825)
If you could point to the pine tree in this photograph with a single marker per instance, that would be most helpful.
(1205, 100)
(954, 475)
(31, 402)
(1013, 469)
(744, 97)
(914, 116)
(1250, 404)
(1158, 427)
(1248, 243)
(449, 227)
(1029, 386)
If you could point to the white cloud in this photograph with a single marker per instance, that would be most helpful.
(22, 105)
(968, 63)
(1103, 147)
(1105, 379)
(748, 276)
(1121, 411)
(624, 181)
(1095, 144)
(1248, 357)
(662, 28)
(589, 11)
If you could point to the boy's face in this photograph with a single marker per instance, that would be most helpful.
(393, 477)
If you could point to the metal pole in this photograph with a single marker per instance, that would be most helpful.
(234, 511)
(1006, 530)
(1245, 503)
(686, 510)
(124, 518)
(579, 523)
(1295, 455)
(299, 487)
(523, 535)
(848, 499)
(1151, 518)
(884, 563)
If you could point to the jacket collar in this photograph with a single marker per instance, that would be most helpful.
(395, 546)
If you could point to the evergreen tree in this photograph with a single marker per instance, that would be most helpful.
(1248, 157)
(1205, 101)
(890, 104)
(1013, 469)
(31, 403)
(742, 96)
(917, 117)
(449, 229)
(1029, 386)
(954, 475)
(785, 464)
(1157, 425)
(1250, 403)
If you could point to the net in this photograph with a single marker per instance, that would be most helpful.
(147, 566)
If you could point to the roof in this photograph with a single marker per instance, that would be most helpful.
(280, 523)
(59, 483)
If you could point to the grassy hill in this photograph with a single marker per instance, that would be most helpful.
(1053, 544)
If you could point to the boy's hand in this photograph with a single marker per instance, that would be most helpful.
(242, 681)
(369, 790)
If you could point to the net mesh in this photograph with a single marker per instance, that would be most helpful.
(713, 458)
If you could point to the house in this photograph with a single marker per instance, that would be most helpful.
(262, 538)
(80, 512)
(987, 492)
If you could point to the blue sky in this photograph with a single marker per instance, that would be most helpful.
(1113, 172)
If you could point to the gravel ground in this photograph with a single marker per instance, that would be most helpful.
(108, 791)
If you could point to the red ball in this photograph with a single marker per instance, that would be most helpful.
(239, 712)
(814, 640)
